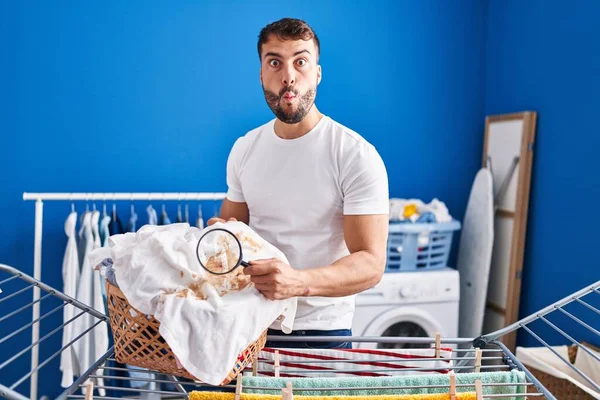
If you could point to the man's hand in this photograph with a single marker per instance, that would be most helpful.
(275, 279)
(214, 220)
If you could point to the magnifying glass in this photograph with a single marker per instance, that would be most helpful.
(219, 251)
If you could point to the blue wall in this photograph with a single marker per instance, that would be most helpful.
(545, 56)
(151, 97)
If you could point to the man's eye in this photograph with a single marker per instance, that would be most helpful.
(301, 62)
(274, 63)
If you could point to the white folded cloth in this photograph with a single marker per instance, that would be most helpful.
(158, 271)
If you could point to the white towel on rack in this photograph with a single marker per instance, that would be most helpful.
(155, 268)
(70, 275)
(94, 343)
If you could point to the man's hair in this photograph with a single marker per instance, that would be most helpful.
(288, 29)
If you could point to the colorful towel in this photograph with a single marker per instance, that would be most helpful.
(372, 386)
(245, 396)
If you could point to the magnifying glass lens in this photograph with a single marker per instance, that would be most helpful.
(219, 251)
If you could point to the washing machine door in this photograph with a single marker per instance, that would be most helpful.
(401, 322)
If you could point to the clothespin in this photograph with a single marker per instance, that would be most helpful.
(276, 363)
(477, 359)
(287, 393)
(478, 390)
(452, 385)
(89, 391)
(254, 365)
(438, 344)
(238, 388)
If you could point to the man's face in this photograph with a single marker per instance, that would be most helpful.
(289, 75)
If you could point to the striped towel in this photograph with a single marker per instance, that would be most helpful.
(352, 362)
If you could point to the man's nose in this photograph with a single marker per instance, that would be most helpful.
(289, 76)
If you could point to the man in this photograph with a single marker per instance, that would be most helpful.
(313, 188)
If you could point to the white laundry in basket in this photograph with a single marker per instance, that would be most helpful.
(157, 270)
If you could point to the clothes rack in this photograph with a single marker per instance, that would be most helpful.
(39, 199)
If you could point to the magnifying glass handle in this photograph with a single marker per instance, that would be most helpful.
(244, 263)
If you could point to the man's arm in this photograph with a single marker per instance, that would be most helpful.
(232, 210)
(366, 238)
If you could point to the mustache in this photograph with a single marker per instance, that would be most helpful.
(278, 96)
(275, 98)
(287, 89)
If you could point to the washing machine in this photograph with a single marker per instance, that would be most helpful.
(410, 304)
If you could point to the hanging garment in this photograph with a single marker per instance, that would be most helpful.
(86, 243)
(82, 242)
(95, 225)
(131, 224)
(152, 217)
(179, 214)
(101, 343)
(70, 275)
(200, 220)
(104, 230)
(104, 235)
(115, 226)
(94, 343)
(164, 217)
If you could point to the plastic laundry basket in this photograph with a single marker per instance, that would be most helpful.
(419, 246)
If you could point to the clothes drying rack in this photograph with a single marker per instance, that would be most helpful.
(486, 353)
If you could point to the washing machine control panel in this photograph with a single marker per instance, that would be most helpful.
(413, 287)
(422, 291)
(408, 291)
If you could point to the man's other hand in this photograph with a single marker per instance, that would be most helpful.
(214, 220)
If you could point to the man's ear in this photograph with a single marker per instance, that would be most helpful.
(260, 76)
(319, 74)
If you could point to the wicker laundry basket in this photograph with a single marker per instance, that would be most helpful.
(560, 388)
(138, 342)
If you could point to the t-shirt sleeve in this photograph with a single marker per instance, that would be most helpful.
(234, 187)
(364, 183)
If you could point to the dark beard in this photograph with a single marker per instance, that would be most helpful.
(305, 102)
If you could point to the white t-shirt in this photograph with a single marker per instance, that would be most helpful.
(298, 191)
